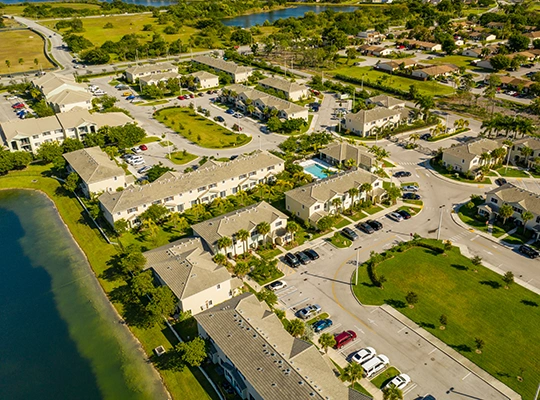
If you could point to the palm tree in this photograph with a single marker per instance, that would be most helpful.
(327, 340)
(8, 64)
(498, 154)
(425, 104)
(264, 229)
(526, 217)
(352, 373)
(353, 192)
(292, 228)
(391, 392)
(414, 137)
(485, 158)
(366, 188)
(350, 163)
(224, 243)
(526, 152)
(505, 212)
(243, 236)
(337, 202)
(220, 259)
(176, 220)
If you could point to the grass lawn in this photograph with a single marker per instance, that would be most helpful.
(387, 164)
(415, 202)
(317, 318)
(199, 129)
(460, 61)
(178, 157)
(149, 139)
(446, 135)
(340, 241)
(512, 173)
(269, 254)
(476, 305)
(411, 210)
(357, 216)
(373, 209)
(23, 44)
(153, 103)
(432, 88)
(341, 223)
(182, 385)
(455, 176)
(276, 275)
(384, 377)
(470, 217)
(518, 237)
(361, 389)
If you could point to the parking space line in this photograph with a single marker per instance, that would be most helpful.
(402, 329)
(465, 377)
(300, 302)
(409, 389)
(360, 330)
(435, 349)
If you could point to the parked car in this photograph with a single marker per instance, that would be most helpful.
(349, 233)
(344, 338)
(309, 311)
(276, 285)
(220, 119)
(404, 214)
(529, 251)
(136, 150)
(411, 196)
(376, 364)
(321, 325)
(130, 97)
(399, 382)
(395, 216)
(402, 174)
(127, 94)
(311, 254)
(230, 111)
(375, 224)
(500, 181)
(144, 169)
(17, 106)
(11, 98)
(410, 188)
(365, 227)
(136, 161)
(425, 136)
(181, 97)
(238, 115)
(304, 259)
(191, 96)
(363, 355)
(143, 147)
(292, 260)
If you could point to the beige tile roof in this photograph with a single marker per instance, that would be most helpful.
(533, 143)
(21, 128)
(282, 84)
(266, 99)
(439, 69)
(159, 76)
(533, 35)
(473, 149)
(185, 267)
(93, 164)
(222, 65)
(375, 114)
(246, 218)
(387, 101)
(343, 151)
(203, 75)
(152, 68)
(77, 116)
(511, 194)
(422, 44)
(70, 97)
(277, 365)
(326, 189)
(173, 184)
(51, 81)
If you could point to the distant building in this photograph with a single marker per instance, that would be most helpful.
(395, 65)
(435, 71)
(205, 80)
(70, 99)
(292, 91)
(237, 72)
(426, 46)
(530, 142)
(155, 79)
(371, 36)
(377, 51)
(364, 122)
(482, 36)
(340, 152)
(533, 35)
(468, 157)
(139, 71)
(383, 100)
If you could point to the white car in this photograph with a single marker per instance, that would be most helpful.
(277, 285)
(399, 381)
(136, 161)
(410, 188)
(363, 355)
(395, 216)
(136, 150)
(11, 98)
(375, 365)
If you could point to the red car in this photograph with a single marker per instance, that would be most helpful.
(191, 95)
(143, 147)
(344, 338)
(17, 106)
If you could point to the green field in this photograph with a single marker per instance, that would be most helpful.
(512, 173)
(25, 44)
(425, 87)
(17, 9)
(178, 157)
(476, 304)
(460, 61)
(199, 129)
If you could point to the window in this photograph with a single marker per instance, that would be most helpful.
(270, 168)
(253, 173)
(115, 178)
(156, 202)
(235, 190)
(223, 194)
(218, 287)
(243, 176)
(35, 137)
(279, 223)
(538, 220)
(213, 185)
(132, 210)
(201, 189)
(317, 206)
(518, 210)
(180, 208)
(170, 198)
(193, 202)
(494, 201)
(204, 199)
(302, 206)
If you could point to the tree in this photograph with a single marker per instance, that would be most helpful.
(292, 228)
(411, 298)
(443, 320)
(267, 296)
(526, 152)
(157, 171)
(132, 260)
(273, 124)
(121, 226)
(8, 64)
(20, 159)
(393, 193)
(327, 340)
(71, 182)
(296, 327)
(21, 61)
(391, 392)
(479, 343)
(505, 212)
(163, 302)
(476, 261)
(123, 136)
(325, 223)
(353, 192)
(500, 62)
(241, 269)
(6, 163)
(178, 221)
(447, 245)
(352, 372)
(193, 352)
(96, 57)
(526, 217)
(70, 144)
(264, 229)
(336, 203)
(224, 243)
(352, 53)
(76, 43)
(508, 279)
(48, 151)
(518, 42)
(243, 236)
(425, 104)
(154, 213)
(142, 284)
(241, 36)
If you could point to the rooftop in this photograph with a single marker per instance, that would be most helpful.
(343, 151)
(201, 75)
(70, 97)
(375, 114)
(151, 68)
(387, 101)
(159, 76)
(473, 149)
(93, 164)
(222, 65)
(51, 81)
(282, 84)
(511, 194)
(439, 69)
(266, 99)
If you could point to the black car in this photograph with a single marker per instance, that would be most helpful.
(366, 228)
(528, 251)
(411, 196)
(349, 233)
(375, 224)
(404, 214)
(425, 136)
(220, 118)
(500, 181)
(402, 174)
(311, 254)
(304, 259)
(292, 260)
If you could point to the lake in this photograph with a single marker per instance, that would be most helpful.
(61, 338)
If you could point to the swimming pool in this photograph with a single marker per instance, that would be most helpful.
(316, 170)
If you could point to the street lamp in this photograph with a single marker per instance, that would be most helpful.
(440, 221)
(357, 257)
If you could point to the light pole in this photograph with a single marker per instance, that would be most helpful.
(357, 257)
(440, 221)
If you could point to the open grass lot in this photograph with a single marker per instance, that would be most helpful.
(460, 61)
(182, 385)
(425, 87)
(476, 304)
(181, 158)
(512, 173)
(199, 129)
(17, 9)
(25, 44)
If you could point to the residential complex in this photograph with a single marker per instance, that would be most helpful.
(29, 134)
(396, 65)
(469, 156)
(315, 200)
(205, 80)
(386, 101)
(244, 96)
(236, 72)
(139, 71)
(292, 91)
(155, 79)
(366, 122)
(261, 360)
(62, 93)
(248, 219)
(97, 171)
(518, 148)
(188, 270)
(180, 191)
(341, 152)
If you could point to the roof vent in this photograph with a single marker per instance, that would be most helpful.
(301, 382)
(259, 369)
(274, 385)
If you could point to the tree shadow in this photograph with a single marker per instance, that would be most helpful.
(460, 267)
(492, 284)
(369, 285)
(395, 303)
(114, 272)
(169, 361)
(529, 303)
(426, 325)
(461, 348)
(502, 374)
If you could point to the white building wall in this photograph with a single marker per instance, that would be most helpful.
(207, 298)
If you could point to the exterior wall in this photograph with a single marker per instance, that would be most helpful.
(385, 67)
(515, 154)
(132, 77)
(299, 94)
(484, 64)
(304, 114)
(358, 128)
(384, 52)
(207, 298)
(297, 209)
(420, 74)
(108, 185)
(471, 53)
(208, 83)
(457, 163)
(60, 108)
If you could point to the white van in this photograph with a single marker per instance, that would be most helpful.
(374, 365)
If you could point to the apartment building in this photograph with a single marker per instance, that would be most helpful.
(261, 360)
(371, 36)
(516, 153)
(468, 157)
(205, 80)
(248, 219)
(180, 191)
(189, 271)
(97, 171)
(385, 101)
(70, 99)
(292, 91)
(139, 71)
(237, 72)
(339, 153)
(155, 79)
(426, 46)
(314, 201)
(62, 92)
(366, 122)
(243, 96)
(29, 134)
